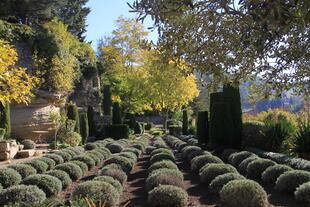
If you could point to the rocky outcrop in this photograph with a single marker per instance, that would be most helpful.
(32, 121)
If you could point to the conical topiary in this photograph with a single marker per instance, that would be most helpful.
(91, 121)
(232, 96)
(73, 114)
(116, 117)
(185, 122)
(203, 127)
(221, 126)
(107, 101)
(84, 127)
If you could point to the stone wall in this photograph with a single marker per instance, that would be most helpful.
(32, 121)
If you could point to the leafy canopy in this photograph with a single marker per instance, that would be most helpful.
(15, 82)
(234, 40)
(138, 75)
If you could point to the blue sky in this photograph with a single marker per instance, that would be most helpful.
(103, 14)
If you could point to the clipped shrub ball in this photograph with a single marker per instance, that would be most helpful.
(130, 155)
(65, 155)
(177, 173)
(188, 150)
(28, 144)
(9, 177)
(86, 159)
(70, 151)
(257, 167)
(302, 193)
(271, 174)
(81, 164)
(23, 170)
(161, 150)
(124, 162)
(191, 155)
(114, 173)
(28, 195)
(139, 146)
(243, 193)
(163, 164)
(218, 183)
(40, 166)
(115, 148)
(62, 176)
(133, 150)
(211, 171)
(201, 160)
(168, 195)
(226, 153)
(49, 184)
(98, 192)
(290, 180)
(58, 159)
(244, 164)
(167, 178)
(160, 157)
(50, 162)
(90, 146)
(236, 158)
(94, 156)
(73, 170)
(112, 166)
(108, 179)
(104, 152)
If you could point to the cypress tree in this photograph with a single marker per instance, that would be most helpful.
(221, 127)
(84, 127)
(5, 119)
(232, 96)
(73, 114)
(185, 122)
(203, 127)
(131, 120)
(91, 121)
(116, 117)
(107, 100)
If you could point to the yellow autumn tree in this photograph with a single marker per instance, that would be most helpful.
(171, 84)
(15, 82)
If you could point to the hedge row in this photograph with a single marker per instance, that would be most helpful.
(107, 186)
(223, 179)
(164, 183)
(283, 177)
(31, 182)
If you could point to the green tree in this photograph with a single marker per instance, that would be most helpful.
(236, 39)
(84, 127)
(37, 12)
(107, 100)
(74, 14)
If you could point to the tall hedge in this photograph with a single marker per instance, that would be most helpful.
(84, 127)
(73, 114)
(91, 121)
(232, 96)
(107, 100)
(185, 122)
(203, 127)
(5, 119)
(130, 120)
(116, 116)
(221, 128)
